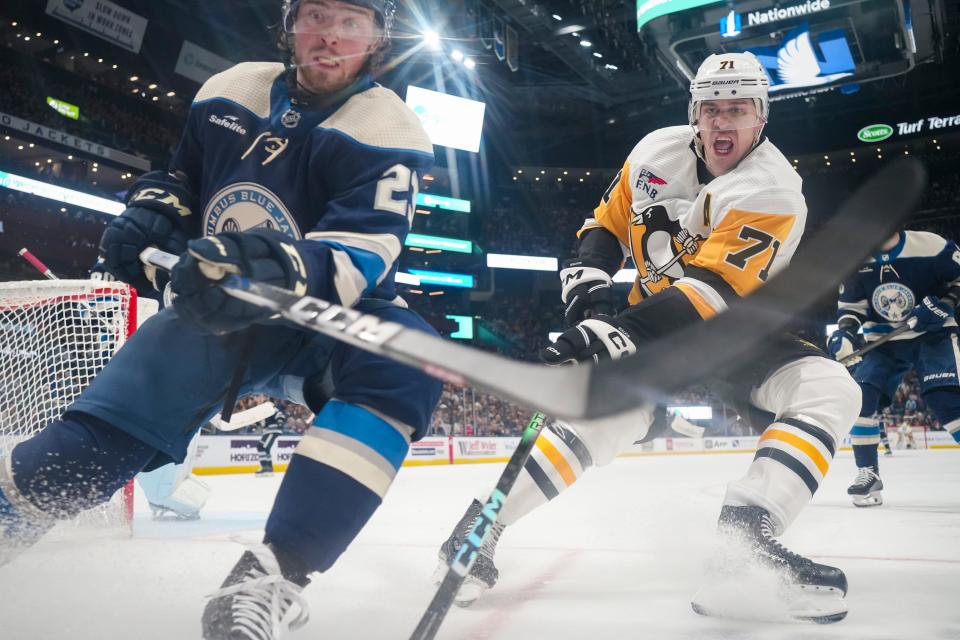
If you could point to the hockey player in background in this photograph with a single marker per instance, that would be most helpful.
(707, 212)
(303, 175)
(272, 429)
(914, 278)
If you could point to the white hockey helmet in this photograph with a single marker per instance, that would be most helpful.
(729, 76)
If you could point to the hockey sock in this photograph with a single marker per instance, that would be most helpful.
(792, 458)
(945, 403)
(558, 459)
(75, 463)
(865, 434)
(337, 478)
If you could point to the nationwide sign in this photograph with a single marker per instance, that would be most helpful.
(732, 24)
(877, 132)
(103, 19)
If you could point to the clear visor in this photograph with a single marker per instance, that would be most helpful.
(320, 18)
(713, 117)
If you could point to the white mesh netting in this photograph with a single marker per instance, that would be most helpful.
(55, 336)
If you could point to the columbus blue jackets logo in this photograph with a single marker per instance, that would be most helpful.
(893, 301)
(650, 183)
(245, 206)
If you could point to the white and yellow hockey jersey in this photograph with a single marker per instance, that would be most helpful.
(711, 238)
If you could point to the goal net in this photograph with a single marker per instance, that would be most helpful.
(55, 336)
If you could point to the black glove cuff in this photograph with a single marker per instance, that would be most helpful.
(164, 193)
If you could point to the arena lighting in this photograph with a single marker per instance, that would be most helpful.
(526, 263)
(432, 39)
(152, 87)
(134, 78)
(443, 279)
(60, 194)
(470, 63)
(438, 242)
(465, 326)
(557, 18)
(586, 43)
(457, 55)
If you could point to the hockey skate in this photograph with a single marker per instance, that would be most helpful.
(866, 488)
(254, 600)
(483, 574)
(754, 577)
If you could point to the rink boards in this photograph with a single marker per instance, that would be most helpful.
(238, 454)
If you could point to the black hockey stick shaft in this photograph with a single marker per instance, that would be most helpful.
(460, 564)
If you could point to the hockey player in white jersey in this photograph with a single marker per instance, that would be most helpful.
(708, 212)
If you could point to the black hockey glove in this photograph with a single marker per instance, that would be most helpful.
(156, 208)
(263, 255)
(587, 292)
(595, 339)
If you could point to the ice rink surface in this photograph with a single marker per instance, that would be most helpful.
(617, 557)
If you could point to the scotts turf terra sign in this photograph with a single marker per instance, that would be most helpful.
(875, 133)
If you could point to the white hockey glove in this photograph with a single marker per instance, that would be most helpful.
(587, 292)
(596, 339)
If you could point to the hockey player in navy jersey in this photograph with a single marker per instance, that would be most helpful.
(303, 175)
(915, 278)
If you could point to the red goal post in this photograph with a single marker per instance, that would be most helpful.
(55, 336)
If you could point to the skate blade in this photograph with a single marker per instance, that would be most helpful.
(763, 601)
(470, 591)
(872, 500)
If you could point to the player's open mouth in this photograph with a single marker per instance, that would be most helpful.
(324, 62)
(723, 145)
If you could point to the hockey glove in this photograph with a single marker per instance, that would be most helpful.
(262, 255)
(157, 206)
(587, 292)
(845, 341)
(930, 314)
(593, 340)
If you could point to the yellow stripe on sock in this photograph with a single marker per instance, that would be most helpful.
(801, 444)
(556, 458)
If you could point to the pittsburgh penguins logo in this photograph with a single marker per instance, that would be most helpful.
(664, 243)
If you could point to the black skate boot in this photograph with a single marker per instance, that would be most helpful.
(866, 488)
(483, 573)
(254, 599)
(805, 590)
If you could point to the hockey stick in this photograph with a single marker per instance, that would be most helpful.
(461, 564)
(245, 418)
(37, 264)
(874, 212)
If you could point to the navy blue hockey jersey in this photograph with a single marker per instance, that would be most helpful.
(341, 181)
(889, 285)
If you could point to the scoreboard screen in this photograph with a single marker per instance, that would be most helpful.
(806, 46)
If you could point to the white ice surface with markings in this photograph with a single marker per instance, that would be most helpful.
(617, 557)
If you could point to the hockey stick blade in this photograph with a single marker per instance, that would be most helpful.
(461, 564)
(871, 215)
